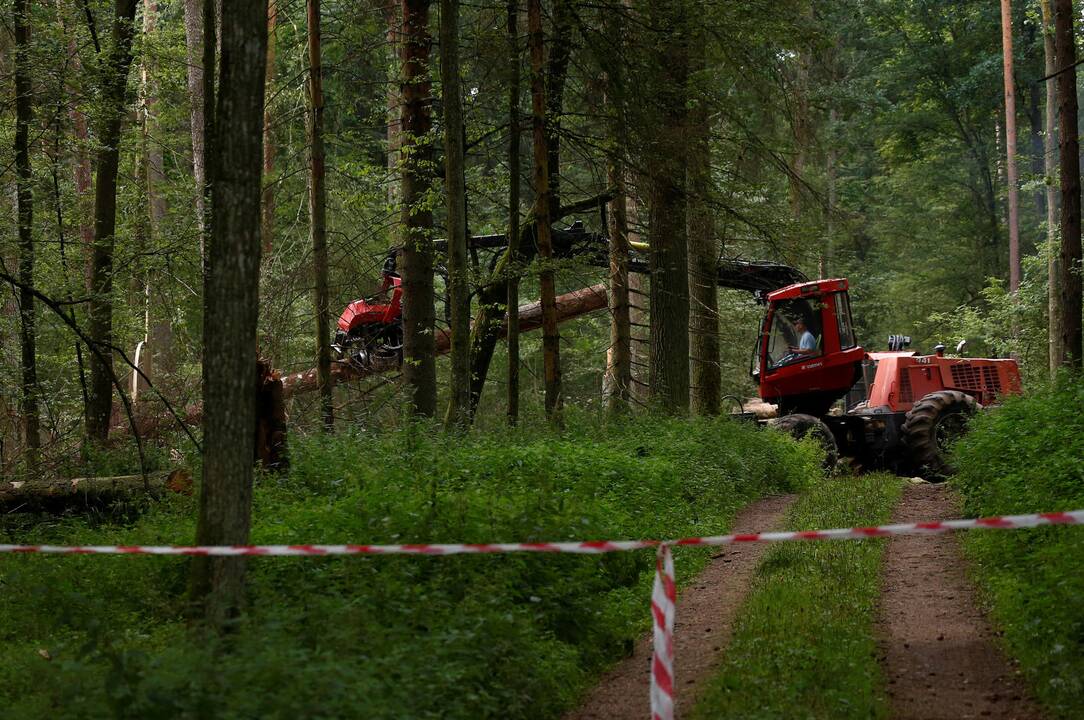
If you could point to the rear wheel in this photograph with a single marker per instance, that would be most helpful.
(933, 424)
(800, 426)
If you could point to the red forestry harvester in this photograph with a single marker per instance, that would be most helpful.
(901, 408)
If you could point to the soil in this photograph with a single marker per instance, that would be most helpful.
(705, 614)
(939, 653)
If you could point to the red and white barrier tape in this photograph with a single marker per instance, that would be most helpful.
(664, 593)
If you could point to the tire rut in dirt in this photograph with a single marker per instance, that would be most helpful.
(706, 610)
(939, 653)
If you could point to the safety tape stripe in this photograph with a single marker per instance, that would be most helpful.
(664, 591)
(592, 547)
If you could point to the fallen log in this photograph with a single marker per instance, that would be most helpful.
(52, 494)
(570, 305)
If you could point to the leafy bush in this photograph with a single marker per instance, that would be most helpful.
(388, 637)
(1027, 457)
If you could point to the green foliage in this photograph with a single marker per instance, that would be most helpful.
(803, 646)
(1020, 458)
(476, 636)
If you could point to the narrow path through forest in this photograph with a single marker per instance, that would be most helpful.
(937, 648)
(706, 612)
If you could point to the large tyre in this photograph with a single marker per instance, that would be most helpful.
(799, 426)
(933, 423)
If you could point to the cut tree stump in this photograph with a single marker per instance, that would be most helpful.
(63, 494)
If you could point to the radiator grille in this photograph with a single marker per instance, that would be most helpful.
(972, 377)
(906, 393)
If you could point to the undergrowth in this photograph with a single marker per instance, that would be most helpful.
(386, 637)
(803, 646)
(1028, 456)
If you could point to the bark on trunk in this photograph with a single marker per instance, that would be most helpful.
(100, 321)
(232, 293)
(617, 381)
(193, 31)
(159, 329)
(551, 350)
(267, 202)
(1055, 352)
(556, 75)
(419, 315)
(1069, 151)
(318, 217)
(667, 218)
(513, 216)
(392, 20)
(706, 377)
(1010, 146)
(25, 201)
(459, 293)
(35, 495)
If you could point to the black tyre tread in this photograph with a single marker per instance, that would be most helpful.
(798, 425)
(918, 430)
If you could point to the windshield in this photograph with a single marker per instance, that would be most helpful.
(795, 333)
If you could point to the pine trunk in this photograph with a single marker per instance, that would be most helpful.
(419, 315)
(392, 33)
(706, 376)
(556, 75)
(1069, 155)
(551, 350)
(513, 210)
(668, 216)
(193, 31)
(1010, 146)
(25, 211)
(455, 190)
(100, 319)
(232, 293)
(318, 216)
(267, 202)
(1056, 351)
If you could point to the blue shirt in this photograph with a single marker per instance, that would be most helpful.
(808, 342)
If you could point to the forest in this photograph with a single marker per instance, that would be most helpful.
(376, 272)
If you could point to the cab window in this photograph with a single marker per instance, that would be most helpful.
(795, 334)
(843, 320)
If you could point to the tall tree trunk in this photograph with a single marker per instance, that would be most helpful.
(513, 209)
(159, 328)
(706, 375)
(100, 322)
(24, 113)
(459, 292)
(1069, 152)
(392, 20)
(556, 75)
(1055, 351)
(639, 306)
(419, 314)
(551, 349)
(232, 290)
(1010, 145)
(267, 202)
(193, 31)
(617, 380)
(318, 216)
(668, 213)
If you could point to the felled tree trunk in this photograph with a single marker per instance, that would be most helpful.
(65, 494)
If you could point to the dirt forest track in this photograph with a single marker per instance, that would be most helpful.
(702, 628)
(939, 654)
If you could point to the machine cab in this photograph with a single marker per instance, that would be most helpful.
(806, 356)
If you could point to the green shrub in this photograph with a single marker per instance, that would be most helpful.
(388, 637)
(1028, 456)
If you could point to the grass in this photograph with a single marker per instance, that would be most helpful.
(803, 646)
(1028, 456)
(385, 637)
